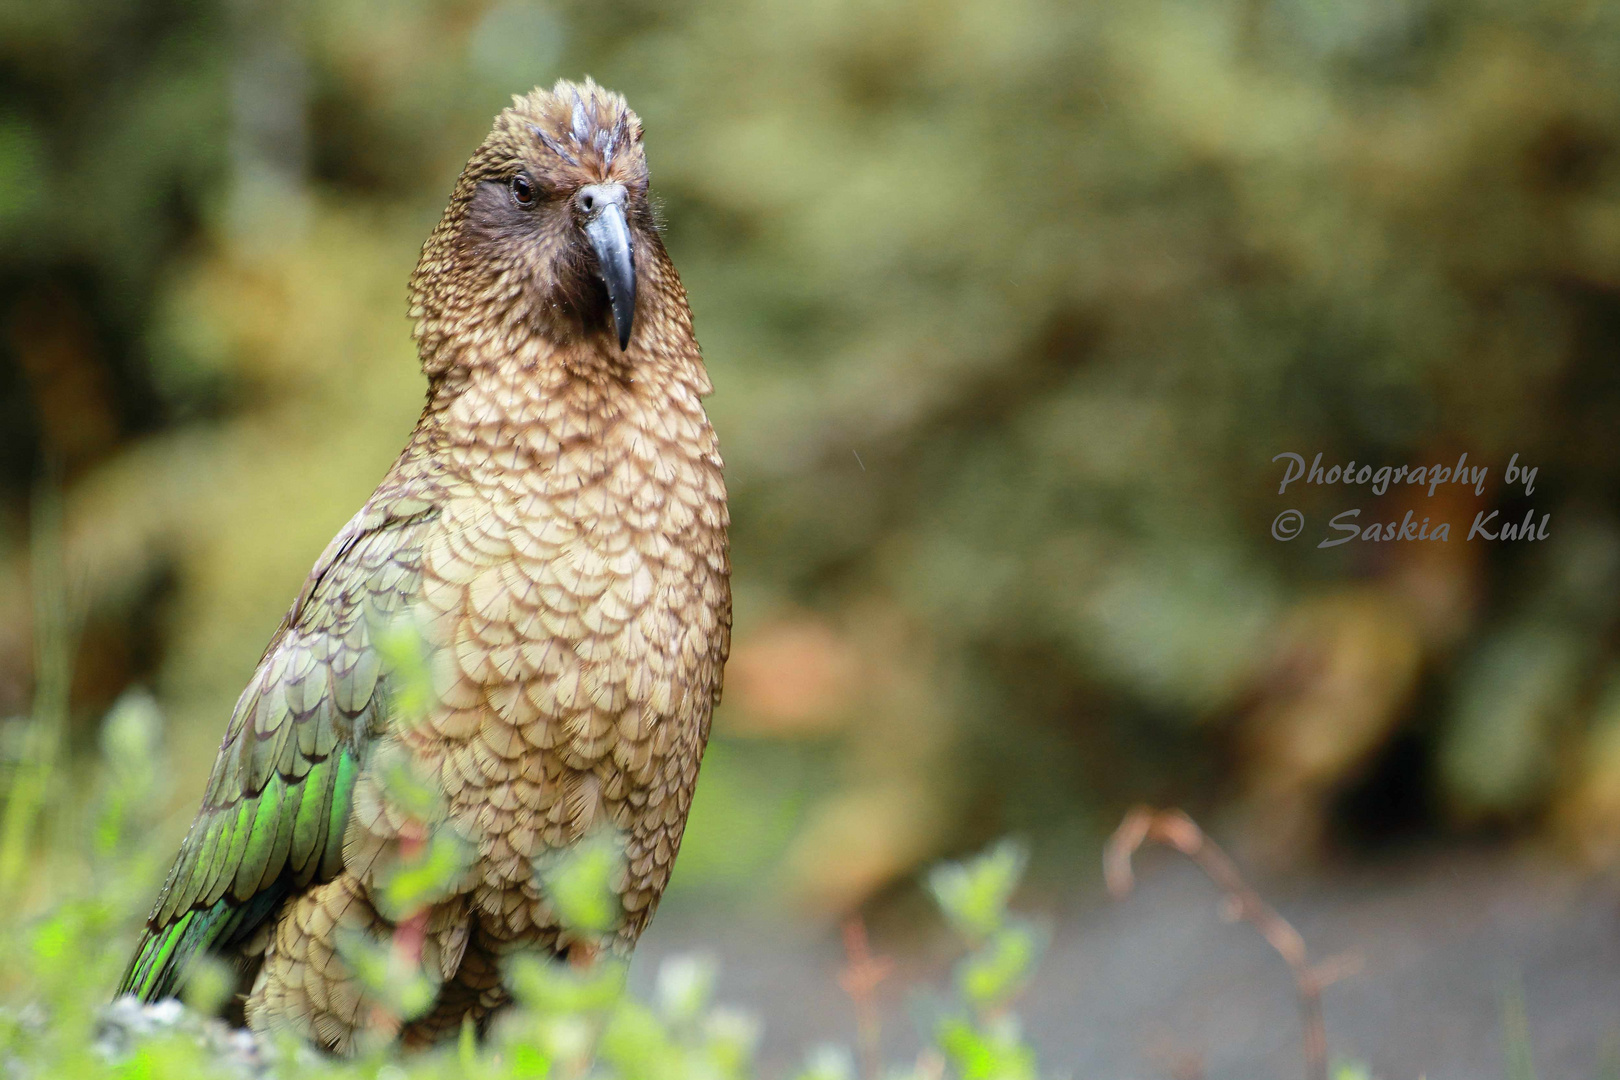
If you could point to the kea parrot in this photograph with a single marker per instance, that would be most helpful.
(556, 528)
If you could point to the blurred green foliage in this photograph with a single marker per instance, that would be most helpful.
(1009, 307)
(568, 1021)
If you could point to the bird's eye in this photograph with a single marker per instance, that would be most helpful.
(522, 190)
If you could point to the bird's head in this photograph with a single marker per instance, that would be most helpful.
(546, 229)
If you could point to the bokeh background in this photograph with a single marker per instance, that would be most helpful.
(1009, 306)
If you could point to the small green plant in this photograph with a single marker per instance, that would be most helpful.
(1520, 1063)
(983, 1039)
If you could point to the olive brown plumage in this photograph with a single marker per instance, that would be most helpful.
(557, 528)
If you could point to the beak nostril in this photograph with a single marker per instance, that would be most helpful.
(588, 202)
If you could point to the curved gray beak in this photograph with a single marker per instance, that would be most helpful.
(609, 234)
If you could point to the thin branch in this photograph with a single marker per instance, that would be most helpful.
(859, 979)
(1175, 829)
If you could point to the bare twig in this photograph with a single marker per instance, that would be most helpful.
(859, 979)
(1239, 902)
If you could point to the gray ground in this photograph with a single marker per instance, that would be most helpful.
(1159, 986)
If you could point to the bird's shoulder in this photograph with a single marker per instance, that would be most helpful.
(278, 794)
(372, 560)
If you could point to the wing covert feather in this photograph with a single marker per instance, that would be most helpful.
(277, 798)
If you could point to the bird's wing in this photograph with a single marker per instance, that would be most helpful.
(278, 797)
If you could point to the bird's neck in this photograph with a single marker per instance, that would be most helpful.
(562, 416)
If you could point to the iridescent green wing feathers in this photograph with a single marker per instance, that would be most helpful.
(277, 800)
